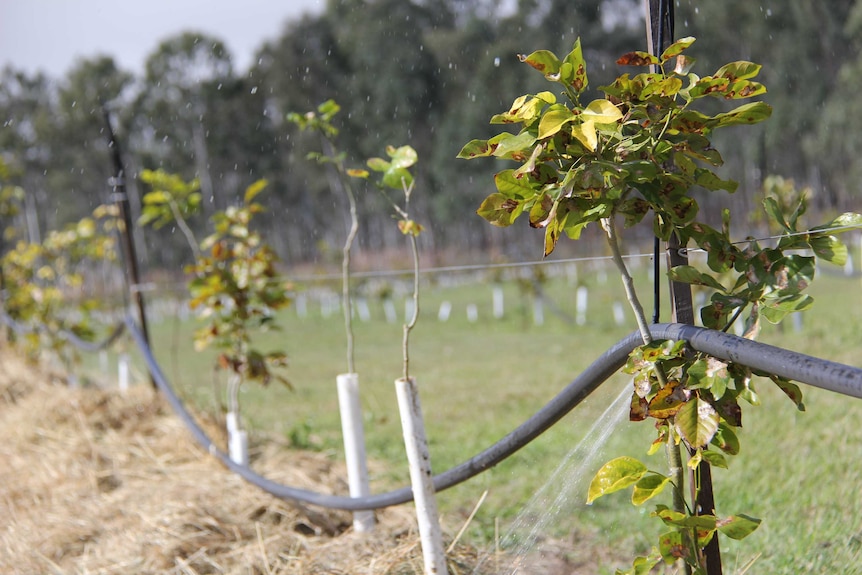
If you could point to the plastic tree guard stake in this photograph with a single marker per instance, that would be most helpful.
(237, 440)
(419, 460)
(354, 446)
(123, 372)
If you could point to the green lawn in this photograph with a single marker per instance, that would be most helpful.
(798, 471)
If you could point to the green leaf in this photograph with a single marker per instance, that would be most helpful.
(378, 164)
(790, 389)
(397, 178)
(775, 311)
(578, 75)
(678, 519)
(726, 439)
(544, 61)
(513, 187)
(475, 149)
(672, 547)
(697, 422)
(642, 565)
(738, 526)
(500, 210)
(691, 275)
(614, 475)
(677, 48)
(648, 487)
(750, 113)
(714, 458)
(740, 70)
(403, 156)
(829, 248)
(515, 147)
(847, 220)
(554, 119)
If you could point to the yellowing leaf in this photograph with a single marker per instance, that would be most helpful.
(356, 173)
(253, 190)
(602, 112)
(586, 134)
(614, 475)
(554, 119)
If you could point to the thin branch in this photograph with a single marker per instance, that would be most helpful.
(408, 327)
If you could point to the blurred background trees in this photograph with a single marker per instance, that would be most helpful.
(425, 72)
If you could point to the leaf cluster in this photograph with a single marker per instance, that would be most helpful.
(638, 150)
(236, 291)
(42, 282)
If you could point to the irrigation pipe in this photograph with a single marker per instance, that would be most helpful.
(82, 344)
(817, 372)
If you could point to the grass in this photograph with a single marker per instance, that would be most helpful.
(479, 380)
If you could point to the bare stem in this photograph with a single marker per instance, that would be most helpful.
(408, 327)
(347, 306)
(674, 456)
(186, 230)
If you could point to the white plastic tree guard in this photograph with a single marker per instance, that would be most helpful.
(354, 446)
(421, 479)
(237, 439)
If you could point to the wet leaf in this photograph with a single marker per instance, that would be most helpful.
(648, 487)
(615, 475)
(697, 422)
(544, 61)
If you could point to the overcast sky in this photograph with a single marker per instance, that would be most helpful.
(50, 35)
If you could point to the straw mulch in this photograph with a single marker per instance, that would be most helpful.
(93, 481)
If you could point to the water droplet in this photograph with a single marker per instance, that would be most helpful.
(219, 86)
(497, 62)
(254, 90)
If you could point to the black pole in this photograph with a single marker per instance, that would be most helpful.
(130, 258)
(660, 33)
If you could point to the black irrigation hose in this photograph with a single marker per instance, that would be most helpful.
(82, 344)
(799, 367)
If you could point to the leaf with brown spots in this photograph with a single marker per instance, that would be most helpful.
(638, 58)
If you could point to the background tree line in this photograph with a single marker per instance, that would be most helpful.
(425, 72)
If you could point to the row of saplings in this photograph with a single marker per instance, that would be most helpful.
(634, 155)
